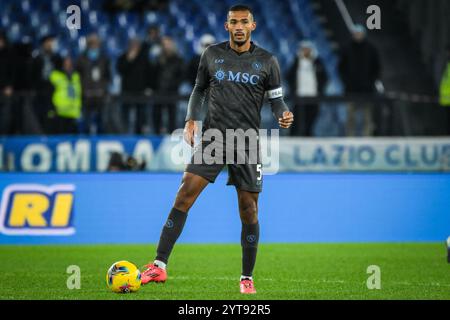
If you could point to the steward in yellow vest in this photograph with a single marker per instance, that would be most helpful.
(444, 92)
(66, 98)
(445, 87)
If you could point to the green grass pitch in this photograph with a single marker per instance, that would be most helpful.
(207, 272)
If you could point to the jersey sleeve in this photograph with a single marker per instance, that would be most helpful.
(202, 80)
(274, 91)
(197, 98)
(273, 83)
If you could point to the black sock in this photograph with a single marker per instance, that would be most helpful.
(249, 243)
(170, 233)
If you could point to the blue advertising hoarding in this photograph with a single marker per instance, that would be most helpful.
(132, 208)
(279, 154)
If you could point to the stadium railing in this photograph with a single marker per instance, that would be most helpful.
(393, 110)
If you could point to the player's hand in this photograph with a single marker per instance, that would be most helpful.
(287, 120)
(190, 132)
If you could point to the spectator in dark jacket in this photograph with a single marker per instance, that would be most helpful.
(6, 70)
(24, 119)
(94, 69)
(359, 67)
(133, 67)
(6, 85)
(151, 48)
(152, 43)
(23, 64)
(169, 69)
(191, 71)
(44, 62)
(307, 78)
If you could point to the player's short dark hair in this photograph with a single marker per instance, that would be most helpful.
(240, 7)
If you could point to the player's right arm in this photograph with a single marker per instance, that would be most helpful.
(194, 110)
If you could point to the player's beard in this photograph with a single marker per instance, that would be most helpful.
(240, 43)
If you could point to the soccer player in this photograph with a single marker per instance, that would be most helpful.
(238, 75)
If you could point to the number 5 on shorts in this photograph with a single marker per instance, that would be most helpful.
(259, 170)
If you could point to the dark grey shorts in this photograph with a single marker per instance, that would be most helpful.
(245, 176)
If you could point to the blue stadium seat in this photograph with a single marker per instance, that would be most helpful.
(281, 25)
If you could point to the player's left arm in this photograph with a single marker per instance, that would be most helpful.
(275, 95)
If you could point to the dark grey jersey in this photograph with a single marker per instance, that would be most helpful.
(237, 84)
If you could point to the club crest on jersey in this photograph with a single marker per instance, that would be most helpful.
(237, 77)
(257, 65)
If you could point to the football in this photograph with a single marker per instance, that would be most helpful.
(123, 277)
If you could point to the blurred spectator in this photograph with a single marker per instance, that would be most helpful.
(135, 5)
(152, 43)
(24, 119)
(169, 71)
(66, 98)
(23, 65)
(94, 68)
(445, 91)
(152, 49)
(119, 5)
(191, 72)
(359, 68)
(151, 5)
(133, 67)
(133, 164)
(45, 61)
(6, 85)
(307, 77)
(117, 164)
(6, 70)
